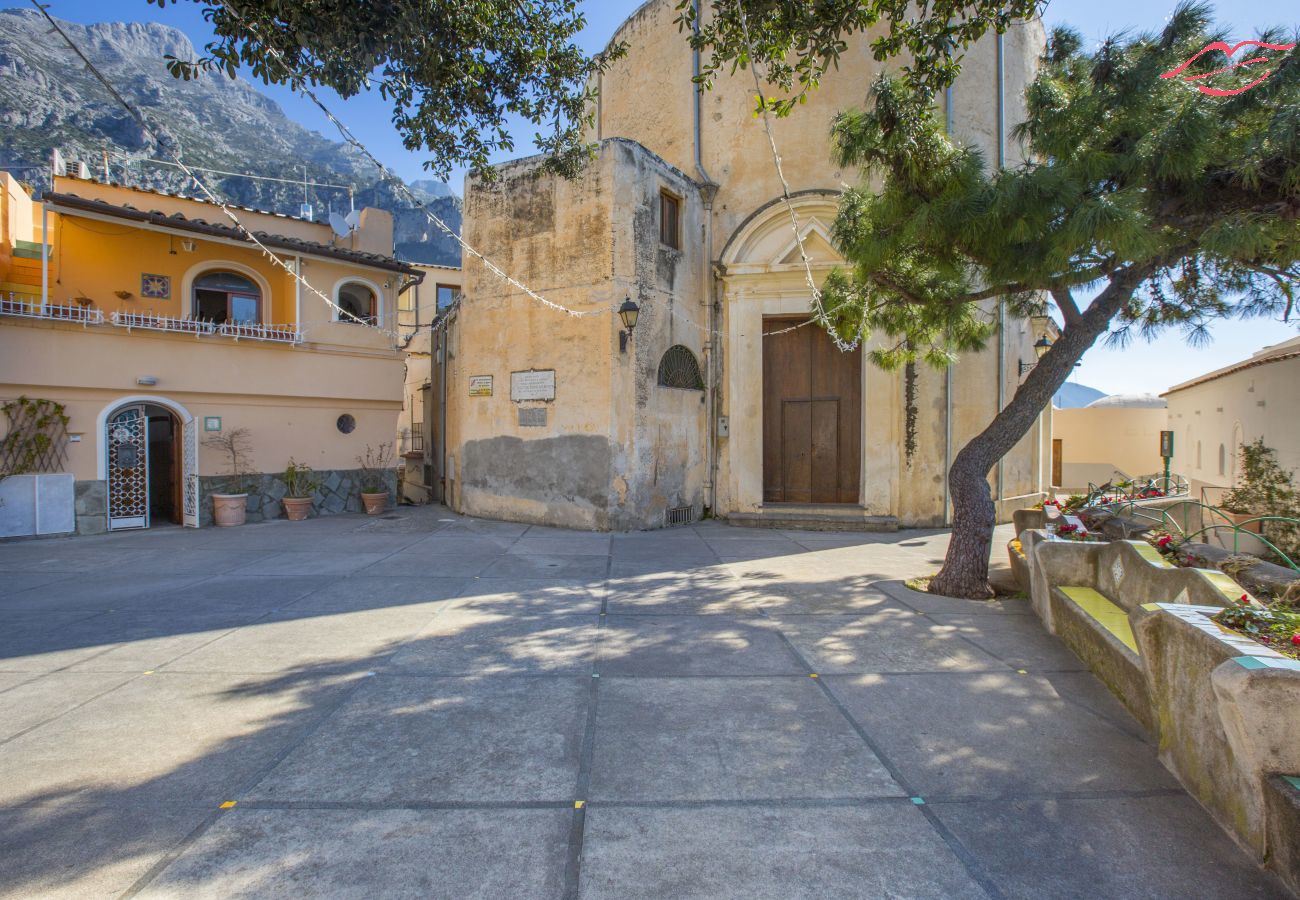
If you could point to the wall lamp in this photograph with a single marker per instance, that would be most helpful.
(629, 312)
(1041, 346)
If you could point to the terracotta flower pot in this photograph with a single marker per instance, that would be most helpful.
(229, 509)
(296, 508)
(374, 503)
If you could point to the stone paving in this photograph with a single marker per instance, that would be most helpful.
(425, 705)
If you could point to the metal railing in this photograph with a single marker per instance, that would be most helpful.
(1147, 487)
(1188, 531)
(30, 307)
(285, 334)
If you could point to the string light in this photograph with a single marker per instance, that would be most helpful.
(819, 311)
(166, 141)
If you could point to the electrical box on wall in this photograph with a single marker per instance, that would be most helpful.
(724, 426)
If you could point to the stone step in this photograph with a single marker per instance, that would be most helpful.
(814, 517)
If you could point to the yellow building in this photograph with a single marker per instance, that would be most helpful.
(157, 323)
(1112, 439)
(421, 424)
(712, 403)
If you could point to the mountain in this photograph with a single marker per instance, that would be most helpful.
(49, 100)
(1072, 396)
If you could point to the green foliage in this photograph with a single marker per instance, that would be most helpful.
(236, 446)
(375, 464)
(1266, 489)
(36, 437)
(299, 479)
(1184, 205)
(453, 72)
(796, 43)
(1274, 627)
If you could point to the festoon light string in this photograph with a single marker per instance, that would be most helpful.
(170, 145)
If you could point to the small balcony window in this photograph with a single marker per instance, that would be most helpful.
(447, 295)
(227, 297)
(358, 304)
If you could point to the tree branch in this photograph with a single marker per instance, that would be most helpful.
(1065, 303)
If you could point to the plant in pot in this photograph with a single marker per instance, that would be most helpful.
(230, 505)
(1264, 489)
(375, 464)
(300, 483)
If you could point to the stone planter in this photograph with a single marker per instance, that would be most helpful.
(296, 508)
(229, 509)
(1027, 519)
(1226, 706)
(1019, 564)
(374, 503)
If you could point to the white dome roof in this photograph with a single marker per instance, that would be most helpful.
(1131, 401)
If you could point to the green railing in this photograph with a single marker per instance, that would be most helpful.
(1166, 519)
(1148, 487)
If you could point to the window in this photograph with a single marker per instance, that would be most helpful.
(447, 295)
(227, 297)
(670, 209)
(1198, 456)
(358, 302)
(1223, 460)
(678, 369)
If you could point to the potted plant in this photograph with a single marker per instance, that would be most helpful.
(375, 464)
(1265, 489)
(300, 483)
(230, 506)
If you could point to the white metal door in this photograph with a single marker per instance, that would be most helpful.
(128, 468)
(190, 473)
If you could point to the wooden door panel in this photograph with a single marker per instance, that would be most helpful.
(825, 451)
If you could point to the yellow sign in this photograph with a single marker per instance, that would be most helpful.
(480, 385)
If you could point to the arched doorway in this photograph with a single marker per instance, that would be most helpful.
(150, 463)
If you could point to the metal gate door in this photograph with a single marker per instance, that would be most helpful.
(128, 469)
(190, 473)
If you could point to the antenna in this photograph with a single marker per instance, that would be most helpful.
(341, 226)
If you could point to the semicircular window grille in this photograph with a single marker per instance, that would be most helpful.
(679, 369)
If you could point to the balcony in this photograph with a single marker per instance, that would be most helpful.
(26, 306)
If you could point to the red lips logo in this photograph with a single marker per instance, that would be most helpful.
(1220, 46)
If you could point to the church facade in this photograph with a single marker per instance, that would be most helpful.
(714, 402)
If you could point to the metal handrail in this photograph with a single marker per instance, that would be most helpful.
(1238, 528)
(1174, 485)
(29, 306)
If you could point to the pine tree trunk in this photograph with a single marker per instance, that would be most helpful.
(965, 571)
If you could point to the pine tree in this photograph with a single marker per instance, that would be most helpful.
(1175, 206)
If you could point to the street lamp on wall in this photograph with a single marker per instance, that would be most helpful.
(1041, 346)
(629, 312)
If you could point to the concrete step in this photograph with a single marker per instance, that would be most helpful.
(814, 517)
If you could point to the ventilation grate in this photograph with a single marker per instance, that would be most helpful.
(679, 515)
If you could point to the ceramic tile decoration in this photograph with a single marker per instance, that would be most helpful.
(1117, 570)
(156, 287)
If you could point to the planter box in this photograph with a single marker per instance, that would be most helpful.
(1226, 706)
(33, 505)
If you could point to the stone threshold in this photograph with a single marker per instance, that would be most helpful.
(814, 517)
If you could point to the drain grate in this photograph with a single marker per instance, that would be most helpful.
(679, 515)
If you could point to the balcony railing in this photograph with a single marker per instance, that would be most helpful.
(254, 331)
(30, 307)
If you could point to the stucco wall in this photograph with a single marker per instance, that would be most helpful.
(1097, 441)
(1241, 407)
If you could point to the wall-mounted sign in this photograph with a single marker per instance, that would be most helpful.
(532, 416)
(480, 385)
(535, 384)
(212, 423)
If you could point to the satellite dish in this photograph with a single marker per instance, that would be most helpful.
(353, 219)
(340, 225)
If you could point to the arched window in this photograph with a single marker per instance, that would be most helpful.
(678, 369)
(358, 301)
(1223, 460)
(223, 297)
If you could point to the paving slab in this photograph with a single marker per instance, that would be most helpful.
(1019, 641)
(939, 605)
(821, 596)
(27, 701)
(507, 595)
(548, 565)
(164, 738)
(769, 853)
(365, 591)
(694, 645)
(312, 562)
(681, 593)
(488, 642)
(727, 739)
(1138, 848)
(892, 639)
(13, 581)
(113, 589)
(419, 739)
(995, 735)
(78, 852)
(363, 854)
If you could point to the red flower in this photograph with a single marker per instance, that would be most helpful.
(1295, 640)
(1245, 598)
(1165, 540)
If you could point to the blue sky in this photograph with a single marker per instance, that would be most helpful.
(1141, 367)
